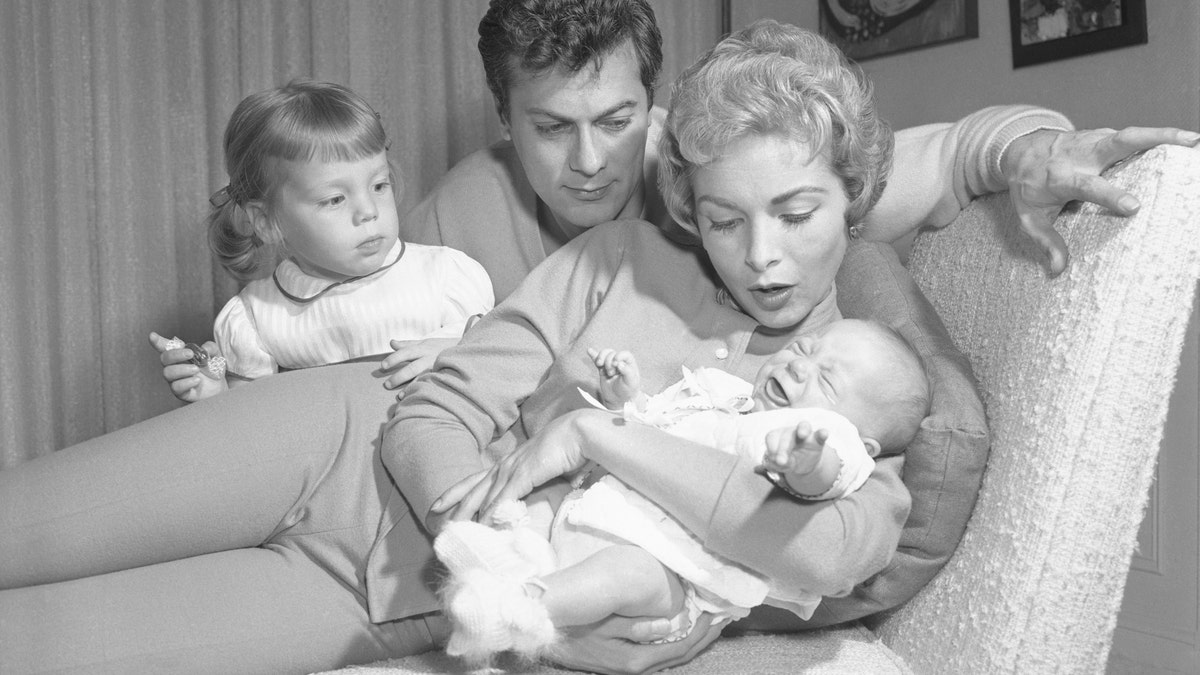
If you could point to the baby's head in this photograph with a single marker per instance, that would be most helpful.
(862, 370)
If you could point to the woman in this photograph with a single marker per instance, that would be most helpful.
(259, 531)
(770, 176)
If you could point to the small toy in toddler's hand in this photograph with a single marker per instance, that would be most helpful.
(212, 366)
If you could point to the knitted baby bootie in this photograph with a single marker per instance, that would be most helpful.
(492, 614)
(489, 595)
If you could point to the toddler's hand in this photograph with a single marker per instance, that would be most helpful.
(620, 379)
(189, 381)
(411, 358)
(795, 451)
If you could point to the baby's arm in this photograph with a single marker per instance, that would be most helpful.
(620, 379)
(800, 455)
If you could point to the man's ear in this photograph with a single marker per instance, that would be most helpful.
(873, 447)
(505, 126)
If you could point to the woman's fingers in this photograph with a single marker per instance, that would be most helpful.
(509, 483)
(1129, 140)
(469, 493)
(1047, 169)
(455, 493)
(606, 647)
(1038, 225)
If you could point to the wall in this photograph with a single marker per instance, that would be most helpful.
(1156, 84)
(1150, 85)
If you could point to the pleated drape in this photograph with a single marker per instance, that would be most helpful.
(111, 115)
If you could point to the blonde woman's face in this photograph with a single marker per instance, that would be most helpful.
(772, 218)
(581, 138)
(337, 219)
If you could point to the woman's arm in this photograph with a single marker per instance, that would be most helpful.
(939, 168)
(1032, 152)
(467, 412)
(826, 547)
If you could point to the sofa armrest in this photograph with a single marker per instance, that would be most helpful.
(1076, 373)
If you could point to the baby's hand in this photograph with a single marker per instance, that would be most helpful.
(795, 451)
(190, 381)
(620, 379)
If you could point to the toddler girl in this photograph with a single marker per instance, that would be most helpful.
(311, 202)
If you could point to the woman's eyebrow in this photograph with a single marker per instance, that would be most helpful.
(717, 201)
(803, 189)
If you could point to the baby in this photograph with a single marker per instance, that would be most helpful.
(817, 414)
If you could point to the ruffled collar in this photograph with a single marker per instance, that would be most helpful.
(301, 287)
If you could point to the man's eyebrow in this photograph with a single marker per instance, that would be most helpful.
(623, 105)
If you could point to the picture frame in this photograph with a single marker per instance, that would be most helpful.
(863, 29)
(1073, 28)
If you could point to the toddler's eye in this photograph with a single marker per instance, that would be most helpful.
(332, 201)
(383, 186)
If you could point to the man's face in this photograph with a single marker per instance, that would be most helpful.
(581, 138)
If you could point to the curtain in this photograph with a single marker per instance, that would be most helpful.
(110, 143)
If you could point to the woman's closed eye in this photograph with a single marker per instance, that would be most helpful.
(723, 225)
(796, 218)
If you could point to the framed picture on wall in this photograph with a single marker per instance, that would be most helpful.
(1048, 30)
(865, 29)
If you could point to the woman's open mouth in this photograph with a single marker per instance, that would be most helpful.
(771, 298)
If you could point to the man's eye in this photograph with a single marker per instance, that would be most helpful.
(616, 125)
(552, 129)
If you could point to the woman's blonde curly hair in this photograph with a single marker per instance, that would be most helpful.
(774, 79)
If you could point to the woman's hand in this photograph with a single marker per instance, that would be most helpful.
(416, 357)
(554, 451)
(1047, 168)
(614, 645)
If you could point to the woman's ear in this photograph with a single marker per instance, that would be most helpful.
(873, 447)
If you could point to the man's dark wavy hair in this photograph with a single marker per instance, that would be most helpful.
(538, 35)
